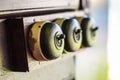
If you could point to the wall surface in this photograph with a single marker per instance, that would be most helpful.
(62, 70)
(92, 64)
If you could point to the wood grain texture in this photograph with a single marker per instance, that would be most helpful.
(12, 44)
(10, 6)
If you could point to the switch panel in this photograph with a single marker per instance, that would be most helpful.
(42, 39)
(38, 35)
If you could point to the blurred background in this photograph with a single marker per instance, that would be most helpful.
(92, 64)
(114, 40)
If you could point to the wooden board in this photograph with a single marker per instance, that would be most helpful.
(22, 25)
(19, 6)
(32, 63)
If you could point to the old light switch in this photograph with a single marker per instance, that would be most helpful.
(73, 32)
(46, 41)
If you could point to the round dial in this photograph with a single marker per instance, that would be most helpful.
(46, 40)
(73, 33)
(89, 31)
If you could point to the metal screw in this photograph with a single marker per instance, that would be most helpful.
(94, 29)
(60, 37)
(77, 31)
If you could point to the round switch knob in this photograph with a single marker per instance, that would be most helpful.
(73, 33)
(46, 41)
(89, 31)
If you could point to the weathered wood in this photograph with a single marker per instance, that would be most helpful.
(27, 21)
(15, 6)
(13, 45)
(10, 28)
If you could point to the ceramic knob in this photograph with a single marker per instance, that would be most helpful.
(46, 41)
(89, 29)
(73, 33)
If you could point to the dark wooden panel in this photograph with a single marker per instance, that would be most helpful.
(14, 49)
(84, 4)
